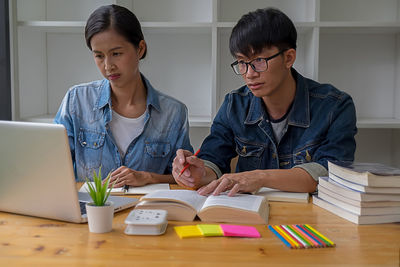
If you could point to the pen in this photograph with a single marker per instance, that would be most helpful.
(187, 164)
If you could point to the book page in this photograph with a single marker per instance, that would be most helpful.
(119, 190)
(142, 190)
(239, 201)
(189, 197)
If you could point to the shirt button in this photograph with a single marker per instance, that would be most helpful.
(84, 143)
(244, 151)
(95, 144)
(308, 156)
(274, 155)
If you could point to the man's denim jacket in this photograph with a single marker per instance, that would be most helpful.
(86, 111)
(321, 127)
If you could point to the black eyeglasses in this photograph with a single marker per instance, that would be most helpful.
(259, 64)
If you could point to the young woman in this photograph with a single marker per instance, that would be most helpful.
(121, 123)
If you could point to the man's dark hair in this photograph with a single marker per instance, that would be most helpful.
(260, 29)
(118, 18)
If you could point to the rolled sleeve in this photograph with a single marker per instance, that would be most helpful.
(314, 169)
(213, 167)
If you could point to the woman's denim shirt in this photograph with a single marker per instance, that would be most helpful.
(321, 127)
(86, 111)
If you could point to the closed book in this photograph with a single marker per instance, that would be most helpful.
(357, 203)
(359, 210)
(354, 218)
(364, 188)
(283, 196)
(368, 174)
(184, 205)
(354, 194)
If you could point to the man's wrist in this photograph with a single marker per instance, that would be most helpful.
(263, 177)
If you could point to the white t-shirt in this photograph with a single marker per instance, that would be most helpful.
(125, 130)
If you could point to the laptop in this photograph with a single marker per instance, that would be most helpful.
(37, 176)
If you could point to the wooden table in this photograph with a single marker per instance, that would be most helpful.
(35, 241)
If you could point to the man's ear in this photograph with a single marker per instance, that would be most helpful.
(141, 48)
(290, 57)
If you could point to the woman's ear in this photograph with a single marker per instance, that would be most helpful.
(141, 48)
(290, 57)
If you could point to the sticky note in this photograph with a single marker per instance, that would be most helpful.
(239, 230)
(210, 229)
(188, 231)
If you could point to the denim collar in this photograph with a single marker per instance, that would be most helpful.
(105, 95)
(300, 112)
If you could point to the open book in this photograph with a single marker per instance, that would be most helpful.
(282, 196)
(133, 190)
(184, 205)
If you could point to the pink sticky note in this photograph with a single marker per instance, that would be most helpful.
(239, 230)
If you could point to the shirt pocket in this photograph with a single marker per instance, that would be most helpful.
(249, 154)
(157, 156)
(91, 147)
(305, 154)
(157, 150)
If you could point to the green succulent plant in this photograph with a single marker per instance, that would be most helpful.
(98, 189)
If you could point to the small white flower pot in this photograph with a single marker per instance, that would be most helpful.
(100, 218)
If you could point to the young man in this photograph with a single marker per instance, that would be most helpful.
(283, 126)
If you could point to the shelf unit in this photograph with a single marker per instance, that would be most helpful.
(353, 44)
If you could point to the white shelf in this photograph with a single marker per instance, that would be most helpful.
(370, 24)
(46, 25)
(297, 24)
(47, 118)
(373, 123)
(194, 121)
(359, 10)
(199, 121)
(52, 24)
(176, 24)
(359, 27)
(198, 32)
(352, 44)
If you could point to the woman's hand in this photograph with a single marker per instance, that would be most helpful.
(193, 176)
(126, 176)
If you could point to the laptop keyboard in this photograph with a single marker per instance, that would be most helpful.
(83, 207)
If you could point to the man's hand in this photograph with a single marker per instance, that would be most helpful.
(248, 182)
(193, 176)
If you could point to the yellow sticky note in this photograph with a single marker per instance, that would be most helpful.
(210, 229)
(188, 231)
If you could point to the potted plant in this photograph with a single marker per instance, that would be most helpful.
(100, 213)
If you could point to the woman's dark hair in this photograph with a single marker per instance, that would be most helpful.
(118, 18)
(260, 29)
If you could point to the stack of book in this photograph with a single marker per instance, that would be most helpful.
(363, 193)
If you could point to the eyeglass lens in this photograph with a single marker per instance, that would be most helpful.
(258, 64)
